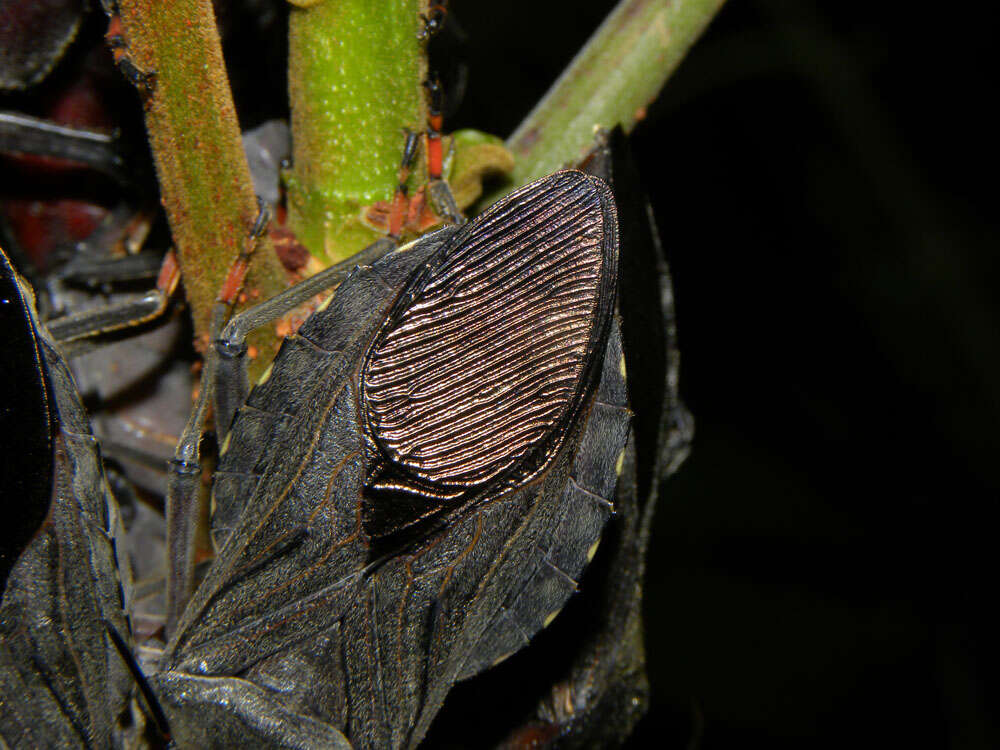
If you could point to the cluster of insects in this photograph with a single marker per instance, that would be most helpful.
(433, 466)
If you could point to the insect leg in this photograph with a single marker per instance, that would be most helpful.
(113, 251)
(224, 383)
(400, 201)
(434, 20)
(138, 310)
(20, 134)
(153, 707)
(183, 479)
(231, 385)
(184, 470)
(437, 188)
(233, 283)
(94, 271)
(143, 80)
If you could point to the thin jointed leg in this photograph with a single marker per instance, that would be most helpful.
(437, 187)
(230, 385)
(70, 330)
(224, 383)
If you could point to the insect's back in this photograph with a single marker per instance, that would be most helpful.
(414, 489)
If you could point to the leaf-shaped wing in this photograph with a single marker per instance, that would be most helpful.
(410, 468)
(62, 681)
(595, 678)
(289, 487)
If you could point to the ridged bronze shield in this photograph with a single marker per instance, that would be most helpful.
(408, 495)
(489, 351)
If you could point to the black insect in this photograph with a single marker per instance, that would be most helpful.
(63, 682)
(434, 19)
(410, 493)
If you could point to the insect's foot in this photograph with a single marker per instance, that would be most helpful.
(444, 203)
(434, 21)
(144, 80)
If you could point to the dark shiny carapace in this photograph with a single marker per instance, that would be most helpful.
(489, 351)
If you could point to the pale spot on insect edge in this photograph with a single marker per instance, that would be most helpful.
(325, 303)
(620, 463)
(225, 443)
(593, 550)
(265, 376)
(621, 365)
(551, 616)
(503, 658)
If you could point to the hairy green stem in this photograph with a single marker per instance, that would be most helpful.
(355, 75)
(611, 81)
(204, 179)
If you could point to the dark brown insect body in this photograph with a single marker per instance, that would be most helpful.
(365, 568)
(408, 495)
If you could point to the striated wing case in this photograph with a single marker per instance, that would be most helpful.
(404, 499)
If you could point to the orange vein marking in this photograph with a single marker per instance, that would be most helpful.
(465, 552)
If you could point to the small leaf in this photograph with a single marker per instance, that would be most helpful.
(477, 156)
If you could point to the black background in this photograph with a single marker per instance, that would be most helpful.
(822, 567)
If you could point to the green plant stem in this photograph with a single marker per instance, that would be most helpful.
(355, 73)
(611, 81)
(205, 182)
